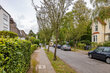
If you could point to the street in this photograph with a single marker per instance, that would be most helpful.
(81, 63)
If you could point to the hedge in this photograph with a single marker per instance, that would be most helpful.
(7, 34)
(34, 40)
(33, 47)
(81, 45)
(14, 55)
(106, 44)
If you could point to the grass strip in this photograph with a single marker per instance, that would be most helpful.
(58, 65)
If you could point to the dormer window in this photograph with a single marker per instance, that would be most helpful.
(96, 27)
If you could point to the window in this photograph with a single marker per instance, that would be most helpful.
(5, 28)
(106, 49)
(99, 49)
(95, 38)
(96, 27)
(5, 24)
(5, 17)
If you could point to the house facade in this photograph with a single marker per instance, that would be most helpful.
(13, 27)
(23, 34)
(4, 20)
(101, 31)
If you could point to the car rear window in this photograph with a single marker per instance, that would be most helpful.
(68, 45)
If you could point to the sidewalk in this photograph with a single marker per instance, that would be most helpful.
(44, 63)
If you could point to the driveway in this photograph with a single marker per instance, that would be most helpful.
(81, 63)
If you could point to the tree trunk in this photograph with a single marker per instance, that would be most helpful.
(48, 47)
(55, 58)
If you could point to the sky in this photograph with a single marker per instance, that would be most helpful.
(23, 13)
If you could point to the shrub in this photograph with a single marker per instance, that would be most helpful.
(27, 38)
(14, 55)
(107, 44)
(71, 43)
(7, 34)
(87, 42)
(81, 45)
(34, 40)
(94, 44)
(33, 47)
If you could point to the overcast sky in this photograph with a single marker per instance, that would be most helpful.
(23, 13)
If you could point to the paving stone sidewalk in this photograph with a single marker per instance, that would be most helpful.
(44, 63)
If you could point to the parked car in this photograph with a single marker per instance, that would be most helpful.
(54, 45)
(87, 47)
(101, 53)
(59, 46)
(66, 47)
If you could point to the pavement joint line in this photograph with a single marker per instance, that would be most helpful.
(41, 66)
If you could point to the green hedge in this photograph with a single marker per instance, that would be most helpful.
(34, 40)
(9, 34)
(33, 47)
(107, 44)
(14, 55)
(81, 45)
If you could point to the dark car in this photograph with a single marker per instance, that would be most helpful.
(54, 45)
(59, 46)
(102, 53)
(66, 47)
(87, 47)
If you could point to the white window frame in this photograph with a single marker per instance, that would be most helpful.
(96, 27)
(95, 38)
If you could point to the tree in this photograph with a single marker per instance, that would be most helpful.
(45, 28)
(101, 9)
(32, 34)
(67, 26)
(55, 10)
(81, 19)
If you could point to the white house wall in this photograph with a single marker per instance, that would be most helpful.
(4, 25)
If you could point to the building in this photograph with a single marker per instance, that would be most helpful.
(4, 20)
(101, 30)
(23, 34)
(13, 27)
(8, 24)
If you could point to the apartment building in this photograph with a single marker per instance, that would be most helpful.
(13, 27)
(101, 31)
(4, 20)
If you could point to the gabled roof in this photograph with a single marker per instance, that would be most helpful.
(101, 21)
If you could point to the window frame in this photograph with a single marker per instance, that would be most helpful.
(95, 38)
(96, 27)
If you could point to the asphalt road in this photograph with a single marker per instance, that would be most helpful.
(81, 63)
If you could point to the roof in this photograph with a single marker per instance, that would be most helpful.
(23, 34)
(4, 10)
(101, 21)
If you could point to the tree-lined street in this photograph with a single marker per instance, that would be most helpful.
(82, 63)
